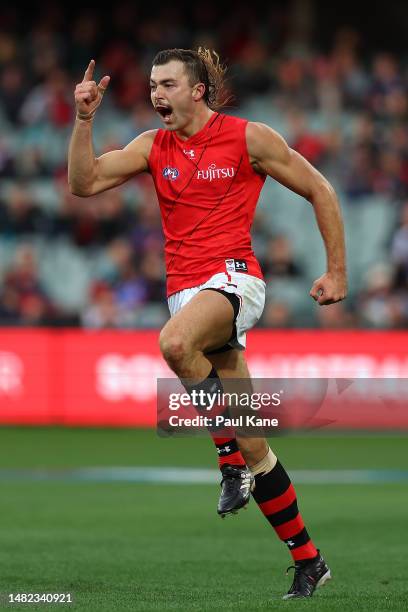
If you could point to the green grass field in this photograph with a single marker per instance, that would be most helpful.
(133, 546)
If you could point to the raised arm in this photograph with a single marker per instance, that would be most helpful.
(88, 174)
(270, 154)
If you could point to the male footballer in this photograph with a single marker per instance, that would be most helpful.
(208, 169)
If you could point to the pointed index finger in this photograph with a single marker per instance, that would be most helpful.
(89, 71)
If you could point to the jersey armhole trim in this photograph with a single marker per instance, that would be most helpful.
(153, 152)
(247, 158)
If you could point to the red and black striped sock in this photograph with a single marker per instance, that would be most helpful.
(228, 451)
(276, 497)
(227, 447)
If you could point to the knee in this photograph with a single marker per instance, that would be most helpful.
(173, 347)
(249, 445)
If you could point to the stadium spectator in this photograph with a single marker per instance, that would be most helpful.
(311, 145)
(279, 259)
(399, 250)
(102, 311)
(19, 215)
(277, 315)
(13, 90)
(336, 316)
(379, 306)
(23, 298)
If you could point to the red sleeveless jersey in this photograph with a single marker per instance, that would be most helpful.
(207, 191)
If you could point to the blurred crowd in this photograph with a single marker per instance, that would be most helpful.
(344, 108)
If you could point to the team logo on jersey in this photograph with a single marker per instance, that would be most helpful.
(212, 173)
(236, 265)
(170, 173)
(190, 153)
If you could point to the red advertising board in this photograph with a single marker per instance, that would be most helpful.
(25, 377)
(109, 378)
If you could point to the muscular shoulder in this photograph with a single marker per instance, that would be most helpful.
(264, 144)
(142, 144)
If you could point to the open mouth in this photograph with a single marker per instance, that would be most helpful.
(164, 111)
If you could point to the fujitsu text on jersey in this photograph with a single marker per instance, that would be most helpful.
(213, 173)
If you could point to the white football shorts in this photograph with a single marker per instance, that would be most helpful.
(249, 289)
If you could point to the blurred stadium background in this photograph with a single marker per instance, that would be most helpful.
(333, 80)
(339, 95)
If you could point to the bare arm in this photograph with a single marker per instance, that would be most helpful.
(270, 154)
(88, 174)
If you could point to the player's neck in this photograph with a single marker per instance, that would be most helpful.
(201, 117)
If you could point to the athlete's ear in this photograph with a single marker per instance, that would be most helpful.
(198, 91)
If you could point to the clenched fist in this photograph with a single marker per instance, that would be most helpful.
(329, 288)
(88, 95)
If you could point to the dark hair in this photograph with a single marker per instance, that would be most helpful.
(202, 66)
